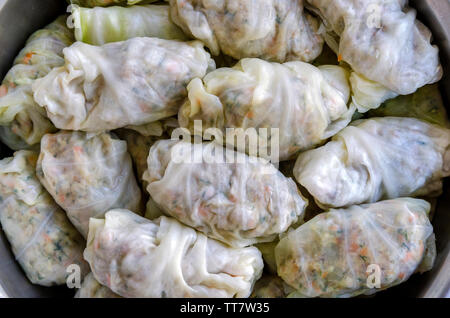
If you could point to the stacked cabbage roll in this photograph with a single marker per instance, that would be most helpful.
(99, 26)
(87, 175)
(333, 254)
(43, 240)
(375, 159)
(382, 41)
(227, 195)
(23, 122)
(274, 30)
(140, 138)
(305, 104)
(136, 257)
(133, 82)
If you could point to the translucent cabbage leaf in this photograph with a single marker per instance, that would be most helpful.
(98, 26)
(359, 250)
(227, 195)
(382, 40)
(42, 239)
(136, 257)
(378, 158)
(292, 106)
(275, 30)
(87, 175)
(134, 82)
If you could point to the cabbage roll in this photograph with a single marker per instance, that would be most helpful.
(136, 257)
(134, 82)
(227, 195)
(42, 239)
(382, 40)
(305, 103)
(275, 30)
(379, 158)
(87, 175)
(106, 3)
(98, 26)
(331, 255)
(24, 122)
(425, 104)
(91, 288)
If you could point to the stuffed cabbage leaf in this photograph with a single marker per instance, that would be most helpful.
(87, 174)
(134, 82)
(378, 158)
(227, 195)
(136, 257)
(335, 253)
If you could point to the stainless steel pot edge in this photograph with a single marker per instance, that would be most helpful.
(436, 15)
(18, 20)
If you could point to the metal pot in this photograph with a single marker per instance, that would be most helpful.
(18, 19)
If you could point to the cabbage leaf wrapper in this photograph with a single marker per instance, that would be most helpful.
(136, 257)
(292, 106)
(23, 122)
(274, 30)
(88, 174)
(227, 195)
(133, 82)
(98, 26)
(43, 240)
(376, 159)
(381, 40)
(339, 253)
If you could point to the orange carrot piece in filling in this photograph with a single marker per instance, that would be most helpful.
(27, 58)
(364, 251)
(353, 247)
